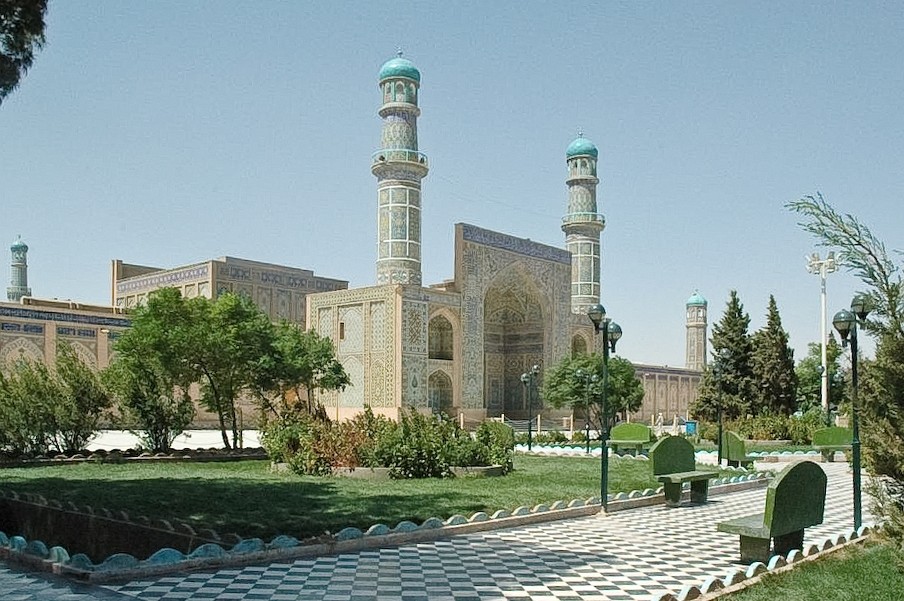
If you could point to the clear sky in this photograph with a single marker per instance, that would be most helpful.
(165, 133)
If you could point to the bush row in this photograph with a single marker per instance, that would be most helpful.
(796, 428)
(417, 446)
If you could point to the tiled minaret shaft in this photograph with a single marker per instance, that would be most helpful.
(399, 168)
(583, 224)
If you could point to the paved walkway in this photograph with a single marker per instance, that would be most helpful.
(624, 556)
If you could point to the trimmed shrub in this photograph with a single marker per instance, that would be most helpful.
(499, 442)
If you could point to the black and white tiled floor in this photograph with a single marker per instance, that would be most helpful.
(626, 555)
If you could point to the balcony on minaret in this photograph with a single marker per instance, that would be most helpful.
(409, 158)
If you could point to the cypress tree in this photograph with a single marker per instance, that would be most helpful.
(728, 381)
(773, 366)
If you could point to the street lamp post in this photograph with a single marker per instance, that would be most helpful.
(718, 373)
(846, 323)
(612, 332)
(823, 267)
(529, 379)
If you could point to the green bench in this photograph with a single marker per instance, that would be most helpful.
(734, 451)
(829, 440)
(632, 437)
(795, 500)
(673, 465)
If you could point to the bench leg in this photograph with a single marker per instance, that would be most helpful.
(754, 549)
(699, 489)
(785, 543)
(672, 494)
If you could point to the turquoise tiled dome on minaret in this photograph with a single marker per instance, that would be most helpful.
(399, 67)
(18, 245)
(581, 145)
(696, 300)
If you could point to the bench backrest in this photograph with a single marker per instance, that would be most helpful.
(796, 499)
(733, 447)
(631, 431)
(833, 436)
(672, 454)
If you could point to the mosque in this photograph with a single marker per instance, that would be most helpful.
(460, 346)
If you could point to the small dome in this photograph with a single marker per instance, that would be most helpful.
(399, 67)
(18, 245)
(696, 300)
(581, 145)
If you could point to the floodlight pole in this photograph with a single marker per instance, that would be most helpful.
(822, 268)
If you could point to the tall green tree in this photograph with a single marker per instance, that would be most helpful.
(565, 385)
(303, 363)
(773, 365)
(150, 374)
(882, 391)
(809, 376)
(21, 34)
(82, 401)
(231, 341)
(728, 381)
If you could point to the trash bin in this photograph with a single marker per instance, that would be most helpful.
(690, 427)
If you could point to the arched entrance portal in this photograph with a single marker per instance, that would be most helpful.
(513, 340)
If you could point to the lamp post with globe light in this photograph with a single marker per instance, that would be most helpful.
(846, 323)
(612, 332)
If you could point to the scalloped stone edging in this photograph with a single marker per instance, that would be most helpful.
(735, 580)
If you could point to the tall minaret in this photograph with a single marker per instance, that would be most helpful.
(696, 332)
(399, 168)
(18, 281)
(583, 224)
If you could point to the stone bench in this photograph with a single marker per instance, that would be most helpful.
(795, 500)
(829, 440)
(734, 450)
(631, 436)
(673, 465)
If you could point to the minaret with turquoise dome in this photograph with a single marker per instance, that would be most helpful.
(695, 355)
(399, 168)
(18, 281)
(583, 224)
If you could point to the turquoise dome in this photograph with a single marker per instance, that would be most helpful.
(696, 300)
(399, 67)
(19, 245)
(581, 145)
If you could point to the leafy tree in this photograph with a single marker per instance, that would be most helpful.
(232, 340)
(153, 405)
(44, 409)
(303, 362)
(80, 403)
(566, 385)
(773, 365)
(150, 375)
(809, 376)
(25, 408)
(882, 391)
(728, 381)
(21, 33)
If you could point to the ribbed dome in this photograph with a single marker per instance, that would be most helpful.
(581, 145)
(696, 300)
(399, 67)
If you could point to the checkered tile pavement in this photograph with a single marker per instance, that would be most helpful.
(623, 556)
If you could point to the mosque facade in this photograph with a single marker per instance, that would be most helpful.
(459, 347)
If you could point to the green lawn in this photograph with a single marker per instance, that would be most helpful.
(246, 498)
(870, 573)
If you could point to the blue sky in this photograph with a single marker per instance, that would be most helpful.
(164, 133)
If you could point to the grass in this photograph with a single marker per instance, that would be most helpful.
(248, 499)
(865, 573)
